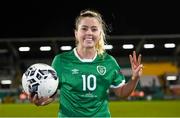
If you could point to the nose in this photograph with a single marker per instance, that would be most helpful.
(89, 31)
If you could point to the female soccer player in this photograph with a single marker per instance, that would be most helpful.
(87, 72)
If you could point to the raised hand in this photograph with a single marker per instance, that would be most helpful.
(136, 65)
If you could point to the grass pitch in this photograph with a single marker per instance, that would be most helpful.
(117, 108)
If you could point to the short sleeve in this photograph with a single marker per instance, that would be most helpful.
(118, 77)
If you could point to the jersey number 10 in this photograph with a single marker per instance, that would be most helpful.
(89, 82)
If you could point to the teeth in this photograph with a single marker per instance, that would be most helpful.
(89, 39)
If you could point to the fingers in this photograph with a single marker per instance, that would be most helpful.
(134, 57)
(44, 100)
(138, 72)
(132, 62)
(135, 62)
(38, 101)
(140, 67)
(34, 99)
(139, 59)
(131, 59)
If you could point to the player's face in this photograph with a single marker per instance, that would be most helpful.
(88, 32)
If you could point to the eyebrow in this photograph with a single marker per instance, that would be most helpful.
(87, 26)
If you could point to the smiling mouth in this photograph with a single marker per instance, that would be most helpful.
(88, 39)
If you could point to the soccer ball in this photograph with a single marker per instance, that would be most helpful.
(40, 79)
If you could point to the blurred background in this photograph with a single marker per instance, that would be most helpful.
(36, 32)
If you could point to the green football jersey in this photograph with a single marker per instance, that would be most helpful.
(84, 84)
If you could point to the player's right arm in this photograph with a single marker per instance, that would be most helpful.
(136, 67)
(41, 101)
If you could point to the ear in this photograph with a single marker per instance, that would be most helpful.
(76, 37)
(75, 33)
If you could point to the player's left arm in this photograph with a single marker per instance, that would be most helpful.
(136, 66)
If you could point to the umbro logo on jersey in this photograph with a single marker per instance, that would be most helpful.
(101, 70)
(75, 71)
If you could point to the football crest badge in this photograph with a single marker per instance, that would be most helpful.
(101, 70)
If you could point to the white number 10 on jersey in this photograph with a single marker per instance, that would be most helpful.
(89, 82)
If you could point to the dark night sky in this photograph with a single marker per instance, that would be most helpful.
(57, 19)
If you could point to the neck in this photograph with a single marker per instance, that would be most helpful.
(86, 53)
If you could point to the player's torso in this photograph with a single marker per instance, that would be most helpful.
(84, 85)
(86, 79)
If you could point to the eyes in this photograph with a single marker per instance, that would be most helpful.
(85, 28)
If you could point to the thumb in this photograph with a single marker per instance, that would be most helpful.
(138, 69)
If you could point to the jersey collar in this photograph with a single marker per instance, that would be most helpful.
(84, 60)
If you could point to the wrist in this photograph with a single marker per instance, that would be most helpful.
(135, 77)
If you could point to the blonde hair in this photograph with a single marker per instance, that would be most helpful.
(92, 13)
